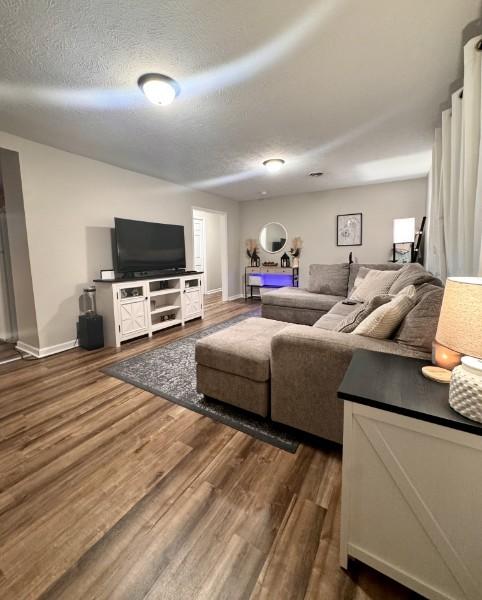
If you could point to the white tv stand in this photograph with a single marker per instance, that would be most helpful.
(136, 307)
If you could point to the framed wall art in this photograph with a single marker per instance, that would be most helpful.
(349, 230)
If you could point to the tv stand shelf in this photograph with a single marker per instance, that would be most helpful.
(137, 307)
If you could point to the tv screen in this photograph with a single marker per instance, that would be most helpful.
(143, 246)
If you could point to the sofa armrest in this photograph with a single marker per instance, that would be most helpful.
(307, 367)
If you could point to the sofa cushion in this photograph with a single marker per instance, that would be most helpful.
(413, 274)
(355, 268)
(329, 279)
(335, 316)
(418, 329)
(370, 283)
(385, 320)
(300, 298)
(242, 349)
(351, 322)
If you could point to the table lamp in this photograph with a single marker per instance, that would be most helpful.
(459, 330)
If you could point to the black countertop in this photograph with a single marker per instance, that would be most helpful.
(396, 384)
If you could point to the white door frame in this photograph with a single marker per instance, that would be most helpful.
(223, 247)
(6, 279)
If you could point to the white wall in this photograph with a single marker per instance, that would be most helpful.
(70, 203)
(313, 217)
(212, 236)
(18, 253)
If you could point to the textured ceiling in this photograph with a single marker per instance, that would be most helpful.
(349, 88)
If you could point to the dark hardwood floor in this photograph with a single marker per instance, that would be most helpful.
(110, 492)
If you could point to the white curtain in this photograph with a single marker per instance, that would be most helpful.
(454, 237)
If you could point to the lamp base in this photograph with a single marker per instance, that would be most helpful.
(466, 389)
(445, 357)
(437, 374)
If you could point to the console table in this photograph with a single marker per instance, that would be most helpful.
(411, 484)
(134, 307)
(269, 277)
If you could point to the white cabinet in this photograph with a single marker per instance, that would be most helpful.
(142, 307)
(192, 298)
(411, 502)
(133, 317)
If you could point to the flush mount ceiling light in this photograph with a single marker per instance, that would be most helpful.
(159, 89)
(274, 165)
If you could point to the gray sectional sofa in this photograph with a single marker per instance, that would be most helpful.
(327, 286)
(288, 365)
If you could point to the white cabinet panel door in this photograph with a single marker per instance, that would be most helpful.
(192, 304)
(133, 317)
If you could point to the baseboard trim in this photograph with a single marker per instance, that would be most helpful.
(216, 291)
(47, 350)
(28, 349)
(235, 297)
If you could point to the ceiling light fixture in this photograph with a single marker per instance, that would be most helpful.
(159, 89)
(274, 165)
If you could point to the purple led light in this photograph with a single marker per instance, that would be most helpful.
(276, 279)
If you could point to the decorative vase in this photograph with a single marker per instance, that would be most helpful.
(465, 395)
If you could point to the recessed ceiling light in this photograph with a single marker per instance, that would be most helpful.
(159, 89)
(274, 165)
(263, 193)
(316, 174)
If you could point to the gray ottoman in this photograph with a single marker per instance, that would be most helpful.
(233, 365)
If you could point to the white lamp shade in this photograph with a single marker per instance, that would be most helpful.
(403, 230)
(460, 324)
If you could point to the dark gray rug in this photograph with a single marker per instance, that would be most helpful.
(170, 372)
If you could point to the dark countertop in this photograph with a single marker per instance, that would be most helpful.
(396, 384)
(160, 276)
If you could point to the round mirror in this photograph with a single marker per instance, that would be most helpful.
(273, 237)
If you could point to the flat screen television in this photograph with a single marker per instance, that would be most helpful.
(142, 246)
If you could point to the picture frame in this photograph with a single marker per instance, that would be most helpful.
(349, 229)
(107, 274)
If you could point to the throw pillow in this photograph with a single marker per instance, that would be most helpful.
(384, 320)
(361, 312)
(412, 274)
(355, 271)
(329, 279)
(372, 283)
(418, 329)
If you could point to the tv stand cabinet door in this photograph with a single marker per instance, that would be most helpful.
(192, 298)
(133, 318)
(132, 310)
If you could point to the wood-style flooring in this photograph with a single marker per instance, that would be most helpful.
(8, 352)
(109, 492)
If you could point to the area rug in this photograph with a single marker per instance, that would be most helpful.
(170, 372)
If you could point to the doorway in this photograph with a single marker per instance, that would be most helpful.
(210, 249)
(8, 322)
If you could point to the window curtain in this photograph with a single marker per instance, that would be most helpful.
(454, 238)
